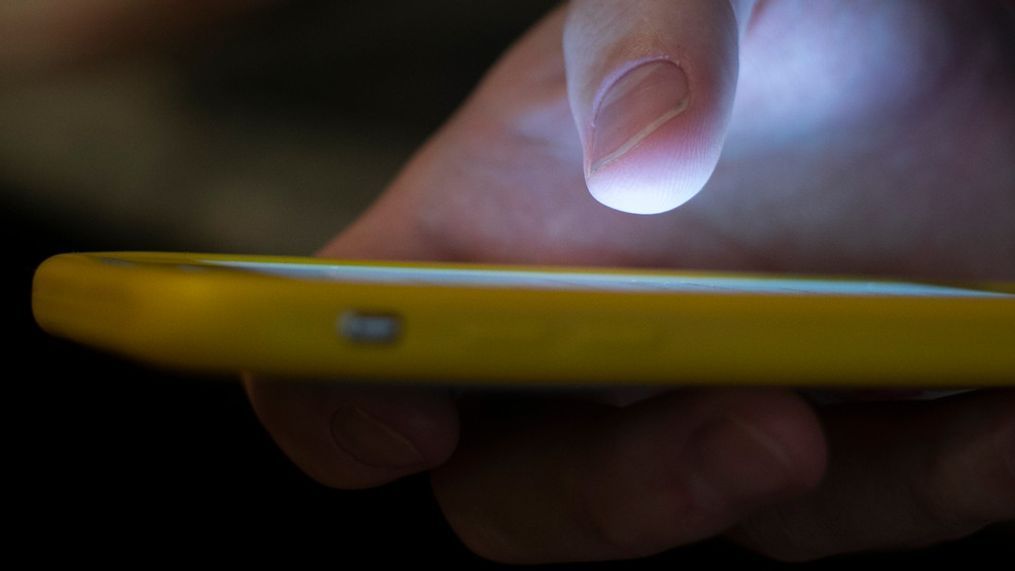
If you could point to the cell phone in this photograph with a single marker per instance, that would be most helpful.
(467, 324)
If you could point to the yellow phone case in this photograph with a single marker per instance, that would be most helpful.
(196, 312)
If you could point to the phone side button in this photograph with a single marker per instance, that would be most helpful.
(375, 328)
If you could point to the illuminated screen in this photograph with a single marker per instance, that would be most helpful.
(602, 282)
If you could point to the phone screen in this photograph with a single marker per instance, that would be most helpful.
(603, 282)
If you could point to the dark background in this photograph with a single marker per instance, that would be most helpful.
(270, 136)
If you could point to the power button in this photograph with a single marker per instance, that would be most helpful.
(375, 328)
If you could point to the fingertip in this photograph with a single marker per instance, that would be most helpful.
(651, 86)
(582, 482)
(905, 474)
(654, 140)
(356, 437)
(663, 173)
(790, 427)
(755, 447)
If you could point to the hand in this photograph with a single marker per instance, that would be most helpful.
(855, 138)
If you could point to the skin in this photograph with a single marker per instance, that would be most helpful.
(862, 138)
(908, 173)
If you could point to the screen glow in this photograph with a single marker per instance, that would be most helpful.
(605, 281)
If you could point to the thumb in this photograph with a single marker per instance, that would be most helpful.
(651, 85)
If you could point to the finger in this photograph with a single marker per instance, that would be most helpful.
(651, 85)
(901, 474)
(401, 426)
(582, 481)
(358, 436)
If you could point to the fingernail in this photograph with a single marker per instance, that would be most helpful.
(635, 106)
(372, 442)
(739, 461)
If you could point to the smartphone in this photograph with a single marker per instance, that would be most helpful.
(468, 324)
